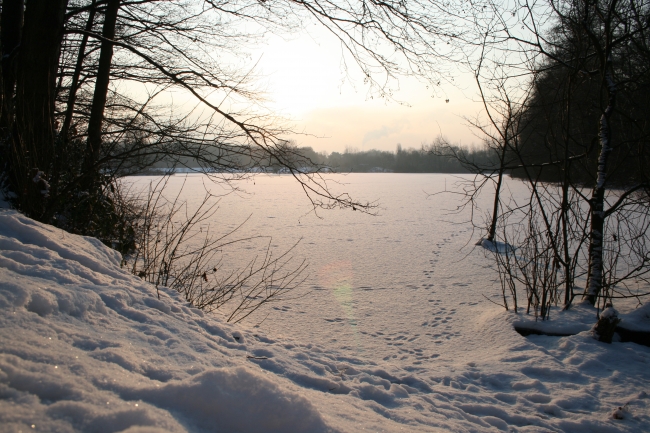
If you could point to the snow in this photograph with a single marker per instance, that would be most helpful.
(581, 317)
(85, 346)
(638, 320)
(496, 246)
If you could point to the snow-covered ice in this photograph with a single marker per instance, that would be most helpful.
(85, 346)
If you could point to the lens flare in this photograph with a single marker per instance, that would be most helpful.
(337, 277)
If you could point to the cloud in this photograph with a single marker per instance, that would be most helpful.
(384, 131)
(332, 129)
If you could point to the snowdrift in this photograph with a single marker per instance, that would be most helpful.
(85, 346)
(88, 347)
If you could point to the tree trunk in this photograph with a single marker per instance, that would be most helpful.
(11, 24)
(568, 272)
(37, 65)
(72, 97)
(94, 143)
(597, 202)
(497, 195)
(63, 147)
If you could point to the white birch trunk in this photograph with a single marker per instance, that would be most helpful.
(597, 202)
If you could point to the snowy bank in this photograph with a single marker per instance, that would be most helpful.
(85, 346)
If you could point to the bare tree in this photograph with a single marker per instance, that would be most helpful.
(568, 64)
(86, 109)
(177, 247)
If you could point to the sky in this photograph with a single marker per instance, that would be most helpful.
(305, 81)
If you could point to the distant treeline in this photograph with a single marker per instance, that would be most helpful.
(427, 159)
(434, 158)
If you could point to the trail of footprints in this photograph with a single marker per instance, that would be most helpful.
(438, 328)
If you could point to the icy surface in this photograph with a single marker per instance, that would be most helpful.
(87, 347)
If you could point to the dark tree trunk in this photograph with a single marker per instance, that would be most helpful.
(63, 143)
(37, 66)
(72, 97)
(497, 194)
(568, 273)
(12, 24)
(101, 90)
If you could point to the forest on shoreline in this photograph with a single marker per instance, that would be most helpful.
(427, 159)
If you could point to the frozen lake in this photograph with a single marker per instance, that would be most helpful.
(390, 284)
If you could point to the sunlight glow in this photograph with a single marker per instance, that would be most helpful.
(306, 81)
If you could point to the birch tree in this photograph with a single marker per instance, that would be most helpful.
(557, 71)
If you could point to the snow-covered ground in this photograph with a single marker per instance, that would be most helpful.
(85, 346)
